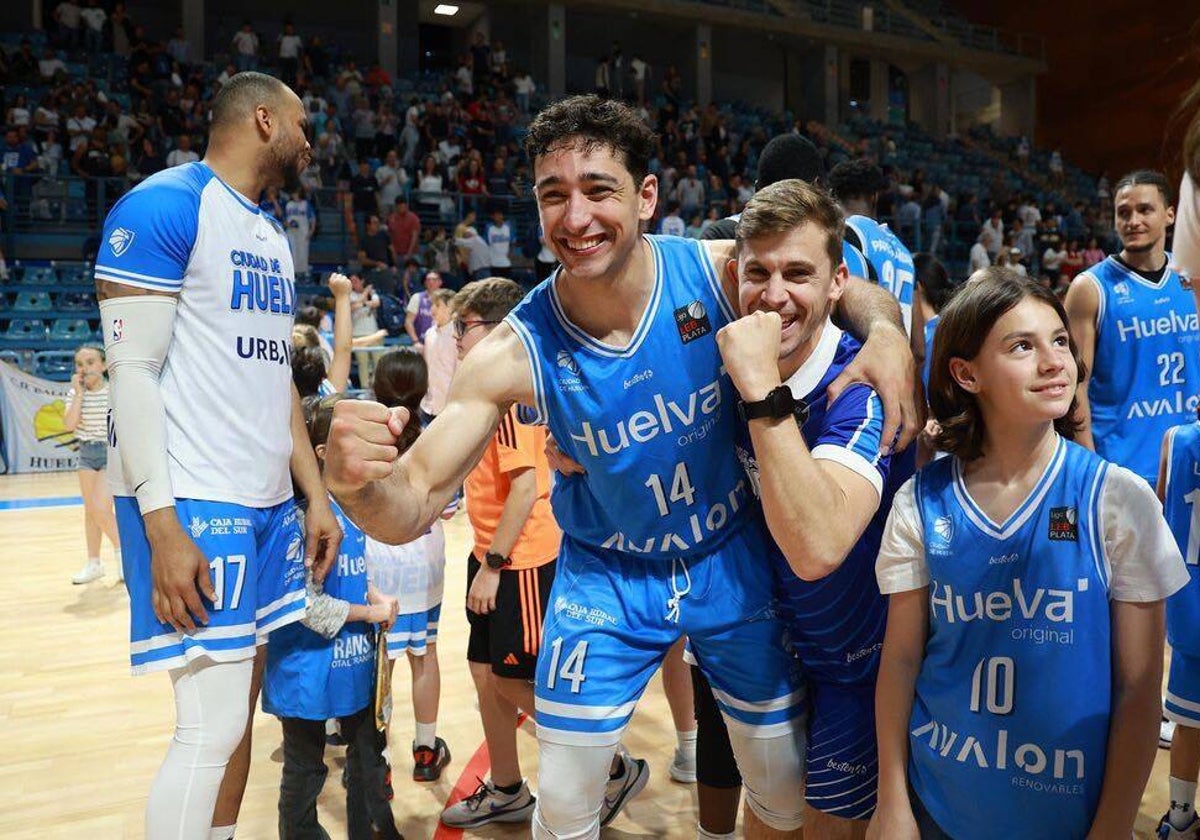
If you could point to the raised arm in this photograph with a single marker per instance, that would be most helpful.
(1083, 304)
(395, 501)
(343, 332)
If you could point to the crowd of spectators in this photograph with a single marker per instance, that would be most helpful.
(436, 179)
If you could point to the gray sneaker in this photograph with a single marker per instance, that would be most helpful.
(635, 772)
(488, 805)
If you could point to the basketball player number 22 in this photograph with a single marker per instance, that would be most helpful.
(219, 566)
(681, 489)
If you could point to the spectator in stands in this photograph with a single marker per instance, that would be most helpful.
(404, 230)
(391, 179)
(1028, 212)
(51, 68)
(418, 316)
(473, 249)
(179, 49)
(363, 304)
(933, 220)
(364, 119)
(1049, 238)
(908, 220)
(16, 156)
(182, 153)
(1023, 152)
(147, 161)
(290, 47)
(690, 192)
(472, 184)
(525, 87)
(79, 127)
(672, 224)
(438, 254)
(1073, 225)
(1093, 253)
(68, 17)
(1073, 260)
(94, 18)
(499, 236)
(1052, 258)
(316, 59)
(118, 32)
(640, 71)
(375, 250)
(979, 257)
(24, 66)
(993, 232)
(464, 83)
(385, 129)
(19, 113)
(300, 223)
(430, 189)
(49, 153)
(94, 159)
(46, 118)
(271, 204)
(481, 57)
(245, 47)
(1056, 168)
(364, 199)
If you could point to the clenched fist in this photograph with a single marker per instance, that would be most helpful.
(750, 349)
(362, 444)
(339, 285)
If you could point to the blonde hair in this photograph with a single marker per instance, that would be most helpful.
(785, 206)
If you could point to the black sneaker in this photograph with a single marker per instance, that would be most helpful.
(428, 762)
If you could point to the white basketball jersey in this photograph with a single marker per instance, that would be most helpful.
(414, 574)
(226, 383)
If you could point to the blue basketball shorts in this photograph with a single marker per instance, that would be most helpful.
(256, 564)
(1183, 690)
(613, 617)
(413, 632)
(843, 760)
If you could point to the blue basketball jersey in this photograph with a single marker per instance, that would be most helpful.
(1183, 515)
(1144, 376)
(878, 255)
(653, 423)
(930, 330)
(314, 678)
(1010, 717)
(836, 624)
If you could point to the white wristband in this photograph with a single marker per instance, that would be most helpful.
(137, 333)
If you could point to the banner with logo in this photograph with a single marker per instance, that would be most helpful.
(35, 437)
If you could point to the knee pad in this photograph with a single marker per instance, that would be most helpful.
(568, 808)
(773, 773)
(212, 708)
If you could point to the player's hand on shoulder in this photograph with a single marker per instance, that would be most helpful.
(339, 285)
(750, 349)
(362, 444)
(179, 573)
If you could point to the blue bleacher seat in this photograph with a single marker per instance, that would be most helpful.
(26, 330)
(54, 364)
(75, 302)
(70, 329)
(41, 276)
(13, 358)
(79, 274)
(33, 302)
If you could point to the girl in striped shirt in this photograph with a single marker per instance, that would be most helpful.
(87, 417)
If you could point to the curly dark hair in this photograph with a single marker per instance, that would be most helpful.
(308, 369)
(859, 178)
(401, 380)
(964, 326)
(593, 121)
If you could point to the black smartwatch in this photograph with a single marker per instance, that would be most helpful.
(496, 562)
(779, 403)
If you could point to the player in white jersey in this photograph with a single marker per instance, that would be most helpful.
(197, 297)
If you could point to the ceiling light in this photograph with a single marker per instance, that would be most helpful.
(445, 9)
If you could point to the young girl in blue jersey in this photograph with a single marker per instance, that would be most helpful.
(413, 574)
(87, 417)
(323, 668)
(1018, 694)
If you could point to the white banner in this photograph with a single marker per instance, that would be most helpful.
(35, 437)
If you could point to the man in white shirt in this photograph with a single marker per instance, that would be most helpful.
(672, 224)
(499, 240)
(290, 45)
(68, 16)
(525, 87)
(79, 127)
(441, 355)
(641, 71)
(182, 153)
(478, 254)
(979, 255)
(391, 178)
(690, 193)
(93, 32)
(245, 44)
(993, 234)
(50, 65)
(1029, 214)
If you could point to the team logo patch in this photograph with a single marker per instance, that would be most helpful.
(567, 362)
(692, 321)
(1064, 524)
(120, 240)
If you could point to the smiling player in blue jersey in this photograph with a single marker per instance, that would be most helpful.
(617, 355)
(1134, 318)
(1019, 683)
(790, 270)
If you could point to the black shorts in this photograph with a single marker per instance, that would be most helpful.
(510, 636)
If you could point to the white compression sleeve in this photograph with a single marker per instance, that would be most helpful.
(137, 332)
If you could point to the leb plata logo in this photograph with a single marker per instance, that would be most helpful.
(1064, 524)
(692, 321)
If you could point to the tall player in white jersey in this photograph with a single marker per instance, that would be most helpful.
(593, 192)
(1135, 321)
(197, 299)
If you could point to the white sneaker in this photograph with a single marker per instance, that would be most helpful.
(683, 768)
(1166, 731)
(1166, 831)
(92, 570)
(635, 772)
(488, 805)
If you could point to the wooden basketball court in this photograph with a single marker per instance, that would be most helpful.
(81, 738)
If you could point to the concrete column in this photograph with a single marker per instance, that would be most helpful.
(408, 41)
(556, 73)
(840, 102)
(703, 64)
(1018, 107)
(943, 110)
(192, 18)
(35, 13)
(389, 49)
(879, 89)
